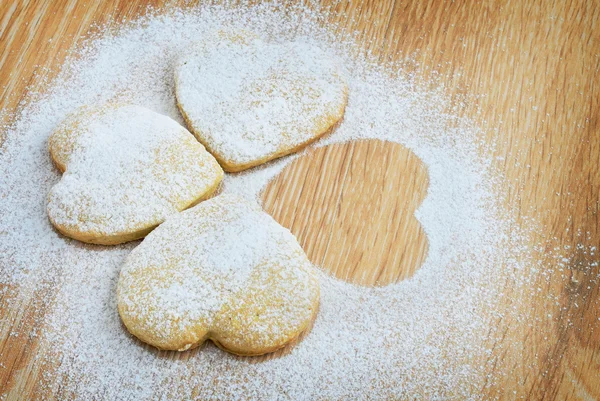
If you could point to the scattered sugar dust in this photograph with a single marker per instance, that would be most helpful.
(421, 338)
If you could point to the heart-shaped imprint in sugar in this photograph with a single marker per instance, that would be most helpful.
(223, 270)
(352, 207)
(250, 101)
(125, 170)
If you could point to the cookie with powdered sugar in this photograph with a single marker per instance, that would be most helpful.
(125, 170)
(223, 271)
(250, 101)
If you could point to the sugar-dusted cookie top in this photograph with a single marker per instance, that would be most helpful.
(249, 101)
(223, 270)
(125, 170)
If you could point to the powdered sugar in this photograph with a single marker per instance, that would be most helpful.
(421, 338)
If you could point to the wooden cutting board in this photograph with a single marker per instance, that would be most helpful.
(531, 72)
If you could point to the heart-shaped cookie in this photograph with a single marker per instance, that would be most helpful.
(249, 101)
(223, 270)
(125, 170)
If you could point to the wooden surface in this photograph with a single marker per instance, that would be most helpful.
(531, 72)
(355, 219)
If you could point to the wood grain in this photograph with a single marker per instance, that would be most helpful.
(527, 71)
(352, 206)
